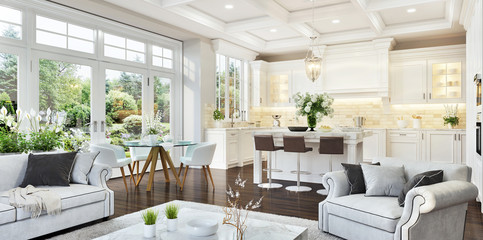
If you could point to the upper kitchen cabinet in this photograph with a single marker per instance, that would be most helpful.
(428, 75)
(357, 70)
(259, 71)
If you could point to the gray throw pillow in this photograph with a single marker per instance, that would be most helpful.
(383, 181)
(82, 166)
(49, 169)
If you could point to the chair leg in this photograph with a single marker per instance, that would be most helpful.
(211, 177)
(131, 170)
(133, 165)
(180, 169)
(204, 173)
(184, 177)
(137, 170)
(124, 178)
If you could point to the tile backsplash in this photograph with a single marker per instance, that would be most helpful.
(377, 114)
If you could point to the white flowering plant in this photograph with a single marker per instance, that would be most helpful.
(451, 116)
(314, 105)
(154, 126)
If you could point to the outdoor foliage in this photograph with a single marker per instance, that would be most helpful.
(117, 101)
(133, 124)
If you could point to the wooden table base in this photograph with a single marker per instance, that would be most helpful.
(153, 159)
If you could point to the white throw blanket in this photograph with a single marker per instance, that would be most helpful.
(35, 200)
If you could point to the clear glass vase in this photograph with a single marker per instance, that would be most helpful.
(311, 122)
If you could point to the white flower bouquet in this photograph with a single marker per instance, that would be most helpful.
(314, 106)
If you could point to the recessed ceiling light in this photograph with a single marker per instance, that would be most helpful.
(411, 10)
(273, 30)
(229, 6)
(336, 21)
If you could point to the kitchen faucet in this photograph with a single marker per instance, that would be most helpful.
(233, 113)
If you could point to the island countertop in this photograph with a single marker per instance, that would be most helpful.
(312, 161)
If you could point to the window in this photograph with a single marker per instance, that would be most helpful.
(124, 48)
(162, 101)
(8, 77)
(123, 105)
(10, 23)
(162, 57)
(64, 35)
(65, 88)
(228, 85)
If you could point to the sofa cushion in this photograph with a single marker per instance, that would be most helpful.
(82, 166)
(49, 169)
(422, 179)
(383, 181)
(378, 212)
(7, 214)
(355, 177)
(12, 176)
(71, 197)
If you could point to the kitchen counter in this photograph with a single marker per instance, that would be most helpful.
(312, 161)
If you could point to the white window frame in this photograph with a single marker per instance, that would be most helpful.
(243, 88)
(17, 42)
(22, 84)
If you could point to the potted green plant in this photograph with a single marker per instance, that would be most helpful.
(171, 213)
(218, 117)
(150, 216)
(451, 118)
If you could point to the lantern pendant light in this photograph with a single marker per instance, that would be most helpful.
(313, 64)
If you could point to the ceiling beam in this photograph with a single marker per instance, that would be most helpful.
(417, 27)
(271, 8)
(199, 17)
(376, 23)
(251, 24)
(305, 29)
(373, 6)
(321, 13)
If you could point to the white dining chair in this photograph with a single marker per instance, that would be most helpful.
(138, 154)
(200, 154)
(113, 156)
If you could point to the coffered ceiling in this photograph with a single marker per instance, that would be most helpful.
(272, 27)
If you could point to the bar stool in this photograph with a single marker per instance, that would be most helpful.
(296, 144)
(265, 143)
(330, 145)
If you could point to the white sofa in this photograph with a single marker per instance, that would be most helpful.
(436, 211)
(80, 203)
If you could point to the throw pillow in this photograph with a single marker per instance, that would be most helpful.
(355, 177)
(383, 181)
(49, 169)
(422, 179)
(82, 166)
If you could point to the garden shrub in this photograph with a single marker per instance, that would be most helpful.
(133, 124)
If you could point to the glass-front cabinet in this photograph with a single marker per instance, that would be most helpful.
(446, 80)
(279, 88)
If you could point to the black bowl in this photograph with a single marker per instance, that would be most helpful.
(298, 129)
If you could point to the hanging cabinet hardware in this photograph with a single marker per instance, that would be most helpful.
(148, 81)
(422, 136)
(455, 137)
(424, 95)
(94, 126)
(429, 95)
(102, 126)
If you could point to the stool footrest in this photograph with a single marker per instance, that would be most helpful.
(301, 172)
(270, 185)
(298, 189)
(273, 170)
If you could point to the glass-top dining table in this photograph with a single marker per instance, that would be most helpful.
(158, 149)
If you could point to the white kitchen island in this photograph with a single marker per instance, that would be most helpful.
(312, 162)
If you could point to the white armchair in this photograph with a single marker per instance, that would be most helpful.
(113, 156)
(198, 155)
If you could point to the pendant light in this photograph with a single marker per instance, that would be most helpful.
(313, 64)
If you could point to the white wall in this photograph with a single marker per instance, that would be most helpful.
(474, 64)
(199, 86)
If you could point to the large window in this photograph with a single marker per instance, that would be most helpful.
(10, 23)
(162, 101)
(8, 78)
(65, 89)
(124, 48)
(229, 86)
(64, 35)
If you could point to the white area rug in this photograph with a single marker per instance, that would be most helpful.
(135, 218)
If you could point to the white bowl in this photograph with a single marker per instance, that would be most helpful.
(202, 227)
(402, 123)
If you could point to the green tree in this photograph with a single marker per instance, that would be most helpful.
(117, 101)
(162, 98)
(8, 67)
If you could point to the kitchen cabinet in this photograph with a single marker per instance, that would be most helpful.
(374, 145)
(408, 82)
(428, 75)
(404, 144)
(258, 84)
(280, 90)
(445, 146)
(234, 146)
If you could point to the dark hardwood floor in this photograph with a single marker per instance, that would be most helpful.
(277, 201)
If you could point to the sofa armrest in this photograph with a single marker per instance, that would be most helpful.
(336, 184)
(443, 195)
(429, 205)
(99, 175)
